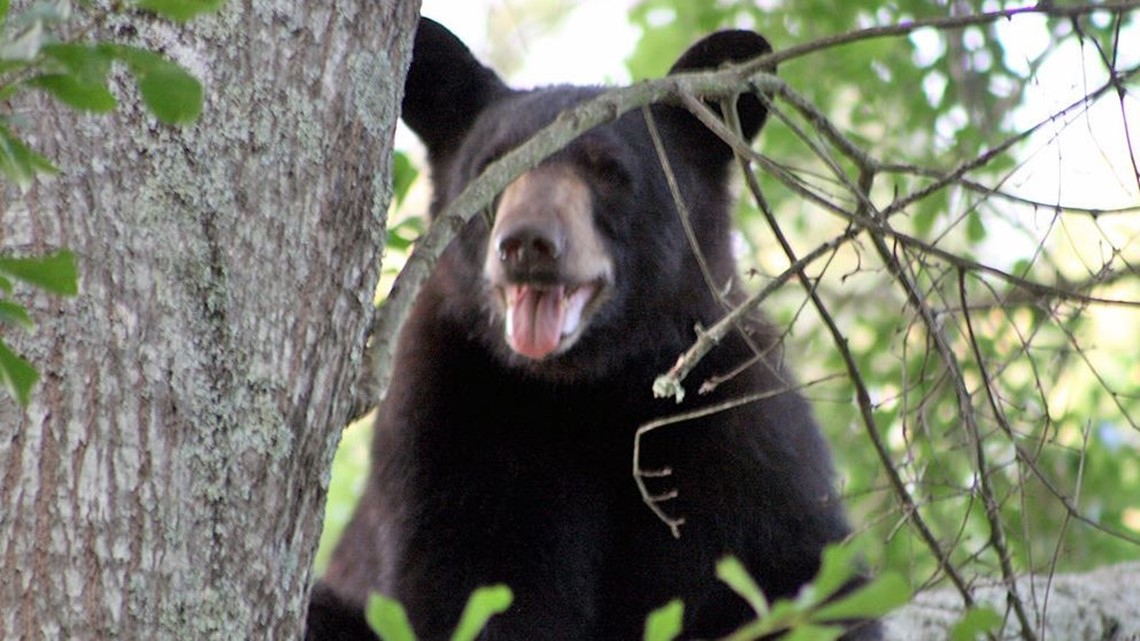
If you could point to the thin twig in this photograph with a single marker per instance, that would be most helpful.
(670, 383)
(941, 24)
(992, 509)
(679, 203)
(716, 290)
(639, 474)
(866, 163)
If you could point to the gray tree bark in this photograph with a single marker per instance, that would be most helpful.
(168, 479)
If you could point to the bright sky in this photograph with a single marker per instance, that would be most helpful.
(589, 46)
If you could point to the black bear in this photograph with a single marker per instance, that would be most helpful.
(503, 452)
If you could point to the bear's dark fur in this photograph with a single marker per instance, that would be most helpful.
(503, 452)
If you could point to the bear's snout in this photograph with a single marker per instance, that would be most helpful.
(529, 251)
(546, 261)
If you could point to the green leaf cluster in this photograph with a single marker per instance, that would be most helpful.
(36, 54)
(56, 274)
(78, 78)
(906, 84)
(388, 619)
(818, 613)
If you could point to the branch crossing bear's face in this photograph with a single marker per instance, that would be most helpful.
(586, 250)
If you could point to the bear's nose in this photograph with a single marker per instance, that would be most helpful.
(530, 251)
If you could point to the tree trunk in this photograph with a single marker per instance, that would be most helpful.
(168, 478)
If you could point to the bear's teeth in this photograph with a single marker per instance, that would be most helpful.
(539, 319)
(575, 301)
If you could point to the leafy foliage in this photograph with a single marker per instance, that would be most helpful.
(169, 91)
(1044, 402)
(56, 274)
(180, 10)
(35, 53)
(484, 603)
(815, 615)
(974, 623)
(665, 623)
(389, 620)
(819, 610)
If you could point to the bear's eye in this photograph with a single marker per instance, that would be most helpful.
(606, 166)
(612, 171)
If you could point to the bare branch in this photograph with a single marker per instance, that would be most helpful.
(942, 24)
(640, 474)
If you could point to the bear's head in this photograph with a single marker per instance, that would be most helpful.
(587, 267)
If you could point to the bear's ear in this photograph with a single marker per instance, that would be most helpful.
(720, 48)
(446, 89)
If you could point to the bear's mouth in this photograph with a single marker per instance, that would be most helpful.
(542, 319)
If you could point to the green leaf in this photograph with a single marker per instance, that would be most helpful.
(172, 94)
(926, 213)
(784, 613)
(180, 10)
(664, 623)
(17, 374)
(733, 573)
(404, 173)
(20, 164)
(975, 228)
(88, 63)
(887, 592)
(403, 234)
(85, 96)
(13, 314)
(81, 59)
(837, 565)
(55, 273)
(1021, 267)
(169, 91)
(484, 603)
(975, 622)
(388, 619)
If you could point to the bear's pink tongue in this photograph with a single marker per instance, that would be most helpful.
(534, 319)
